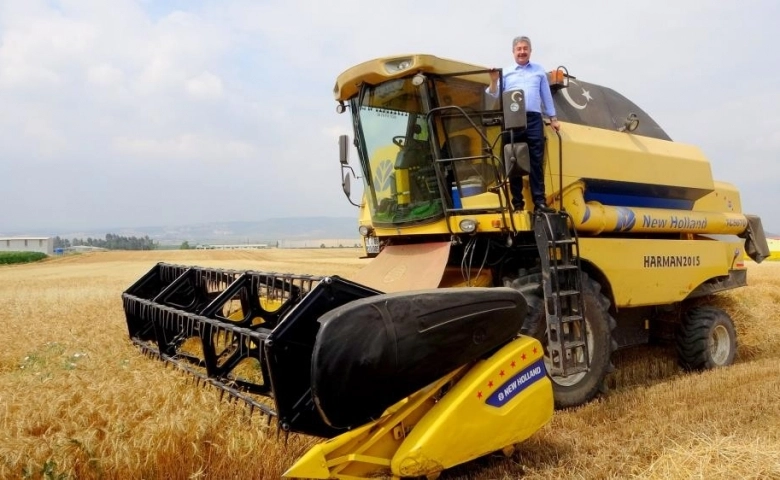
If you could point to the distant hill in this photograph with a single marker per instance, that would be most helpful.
(262, 231)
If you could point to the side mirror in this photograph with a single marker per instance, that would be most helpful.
(346, 170)
(344, 149)
(345, 185)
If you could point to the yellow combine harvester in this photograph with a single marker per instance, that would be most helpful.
(641, 237)
(473, 318)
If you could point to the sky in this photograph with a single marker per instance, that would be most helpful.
(128, 113)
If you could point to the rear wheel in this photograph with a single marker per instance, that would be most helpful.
(706, 339)
(579, 388)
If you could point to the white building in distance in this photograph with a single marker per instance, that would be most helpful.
(238, 246)
(27, 244)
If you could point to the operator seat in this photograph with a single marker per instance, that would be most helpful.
(413, 154)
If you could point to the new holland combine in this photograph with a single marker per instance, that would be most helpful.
(473, 318)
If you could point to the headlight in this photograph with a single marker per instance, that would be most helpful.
(398, 64)
(468, 225)
(365, 230)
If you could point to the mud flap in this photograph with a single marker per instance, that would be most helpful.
(400, 268)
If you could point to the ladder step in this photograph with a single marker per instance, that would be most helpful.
(567, 293)
(571, 318)
(563, 241)
(564, 345)
(577, 368)
(567, 266)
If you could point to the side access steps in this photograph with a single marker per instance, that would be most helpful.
(562, 283)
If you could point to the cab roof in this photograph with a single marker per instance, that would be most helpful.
(382, 69)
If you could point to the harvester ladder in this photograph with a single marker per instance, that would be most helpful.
(563, 301)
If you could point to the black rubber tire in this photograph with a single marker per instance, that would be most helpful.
(599, 323)
(706, 339)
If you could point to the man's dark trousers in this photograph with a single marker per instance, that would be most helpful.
(533, 135)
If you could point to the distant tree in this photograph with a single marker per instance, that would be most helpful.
(116, 242)
(185, 245)
(61, 242)
(322, 245)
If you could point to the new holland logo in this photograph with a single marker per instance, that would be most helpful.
(625, 219)
(512, 387)
(382, 175)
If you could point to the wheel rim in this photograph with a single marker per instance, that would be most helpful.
(720, 345)
(577, 377)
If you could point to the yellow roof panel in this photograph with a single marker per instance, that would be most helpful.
(382, 69)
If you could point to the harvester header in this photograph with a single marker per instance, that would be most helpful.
(328, 357)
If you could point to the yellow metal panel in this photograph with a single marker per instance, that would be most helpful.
(381, 69)
(482, 200)
(725, 198)
(365, 452)
(774, 249)
(499, 402)
(492, 222)
(590, 152)
(653, 272)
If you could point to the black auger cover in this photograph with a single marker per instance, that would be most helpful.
(375, 351)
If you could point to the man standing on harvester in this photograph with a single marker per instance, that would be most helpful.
(532, 79)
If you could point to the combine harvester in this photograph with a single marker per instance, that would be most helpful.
(474, 318)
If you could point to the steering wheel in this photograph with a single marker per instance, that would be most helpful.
(399, 140)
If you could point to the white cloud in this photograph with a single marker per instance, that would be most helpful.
(178, 90)
(185, 147)
(205, 86)
(105, 75)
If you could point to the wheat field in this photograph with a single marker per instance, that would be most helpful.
(78, 400)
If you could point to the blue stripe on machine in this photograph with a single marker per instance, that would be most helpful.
(645, 195)
(638, 201)
(516, 384)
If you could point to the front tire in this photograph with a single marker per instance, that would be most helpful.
(706, 339)
(579, 388)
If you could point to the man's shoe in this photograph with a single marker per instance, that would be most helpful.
(518, 207)
(542, 208)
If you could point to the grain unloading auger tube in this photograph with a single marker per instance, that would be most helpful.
(332, 358)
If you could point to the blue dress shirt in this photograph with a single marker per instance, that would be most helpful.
(532, 78)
